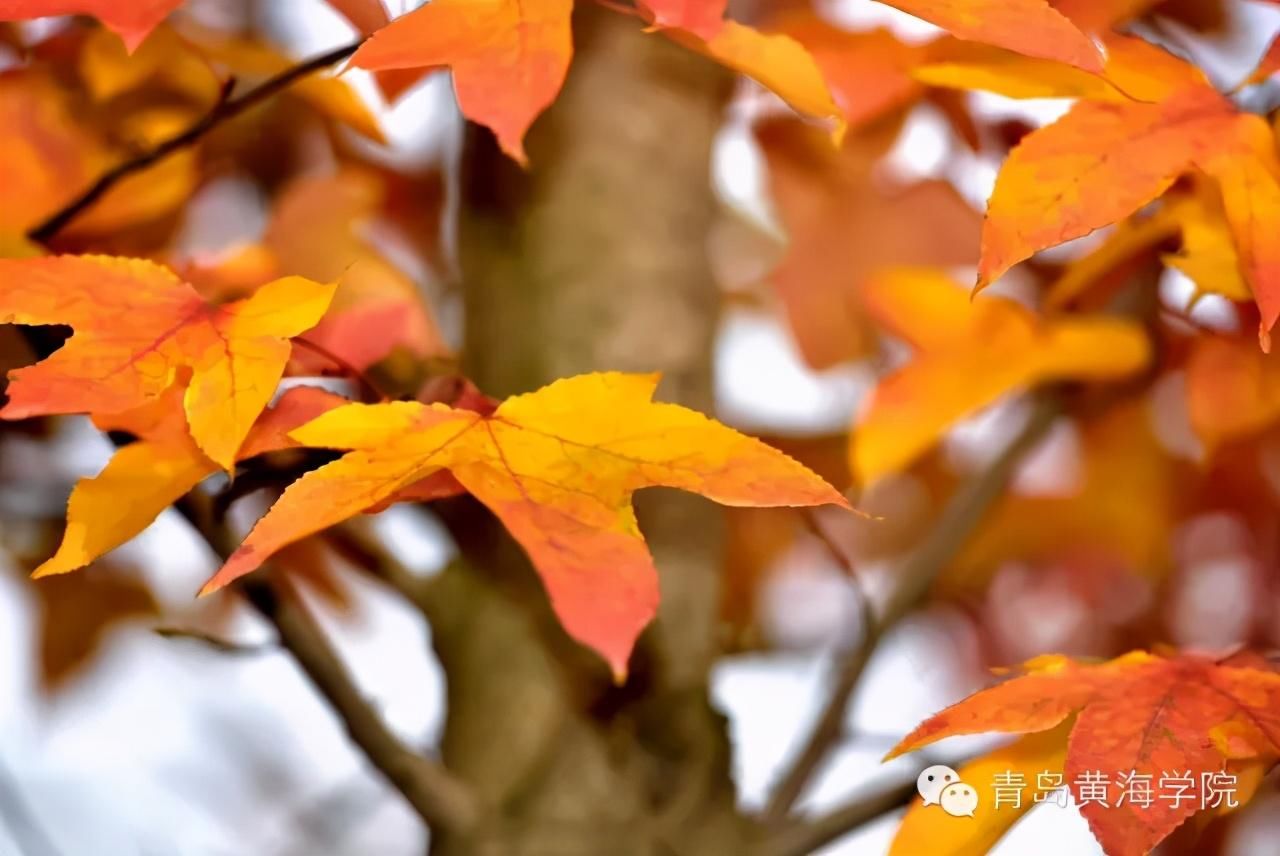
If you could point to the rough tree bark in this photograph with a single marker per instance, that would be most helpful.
(594, 259)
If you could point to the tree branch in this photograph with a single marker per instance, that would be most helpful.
(958, 521)
(802, 838)
(226, 108)
(441, 800)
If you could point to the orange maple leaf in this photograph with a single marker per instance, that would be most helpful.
(139, 330)
(969, 354)
(509, 59)
(1233, 390)
(1030, 27)
(159, 468)
(132, 20)
(558, 467)
(1111, 155)
(1139, 714)
(703, 18)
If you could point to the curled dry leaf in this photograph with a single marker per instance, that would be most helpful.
(557, 467)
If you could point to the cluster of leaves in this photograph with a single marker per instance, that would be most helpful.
(1185, 178)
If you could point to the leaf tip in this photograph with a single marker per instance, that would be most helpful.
(1264, 342)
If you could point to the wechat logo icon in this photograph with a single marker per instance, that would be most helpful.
(941, 786)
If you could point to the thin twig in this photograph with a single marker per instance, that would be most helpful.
(222, 646)
(226, 108)
(441, 800)
(958, 521)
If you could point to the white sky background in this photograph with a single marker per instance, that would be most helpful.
(166, 747)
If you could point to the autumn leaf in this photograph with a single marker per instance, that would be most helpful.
(77, 616)
(869, 73)
(1195, 220)
(1116, 515)
(51, 154)
(160, 467)
(844, 222)
(234, 354)
(1104, 160)
(1024, 760)
(509, 59)
(1141, 714)
(703, 18)
(557, 467)
(131, 20)
(1031, 27)
(969, 354)
(317, 230)
(775, 61)
(1233, 390)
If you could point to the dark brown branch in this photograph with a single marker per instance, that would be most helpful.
(804, 838)
(226, 108)
(441, 800)
(958, 521)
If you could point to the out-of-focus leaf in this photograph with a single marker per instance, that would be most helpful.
(318, 230)
(1233, 390)
(969, 354)
(844, 222)
(76, 617)
(50, 156)
(703, 18)
(1118, 514)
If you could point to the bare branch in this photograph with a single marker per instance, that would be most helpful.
(802, 838)
(441, 800)
(226, 108)
(958, 521)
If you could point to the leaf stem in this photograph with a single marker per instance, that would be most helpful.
(226, 108)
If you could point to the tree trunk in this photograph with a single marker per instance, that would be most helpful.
(594, 259)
